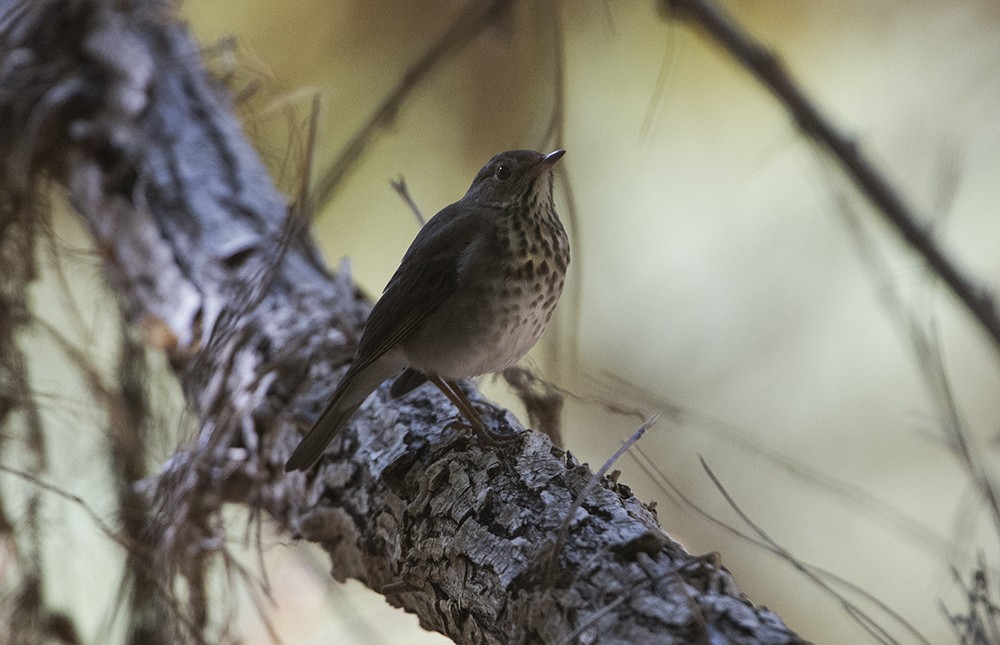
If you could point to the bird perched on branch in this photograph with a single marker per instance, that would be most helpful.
(472, 295)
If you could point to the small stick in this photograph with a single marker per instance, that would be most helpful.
(594, 480)
(399, 185)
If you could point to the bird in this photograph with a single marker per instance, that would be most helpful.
(472, 294)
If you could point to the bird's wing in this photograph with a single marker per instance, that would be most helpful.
(427, 275)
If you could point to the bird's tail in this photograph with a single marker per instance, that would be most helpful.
(311, 448)
(347, 398)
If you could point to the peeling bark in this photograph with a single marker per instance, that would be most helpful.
(109, 100)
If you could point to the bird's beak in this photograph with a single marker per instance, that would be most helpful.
(547, 162)
(551, 158)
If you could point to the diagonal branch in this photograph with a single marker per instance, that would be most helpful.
(476, 16)
(770, 71)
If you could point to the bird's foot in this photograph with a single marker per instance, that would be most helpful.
(472, 419)
(484, 433)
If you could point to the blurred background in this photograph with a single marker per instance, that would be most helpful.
(719, 275)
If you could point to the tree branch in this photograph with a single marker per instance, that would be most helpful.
(109, 100)
(876, 187)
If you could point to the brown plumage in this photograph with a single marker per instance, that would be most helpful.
(472, 295)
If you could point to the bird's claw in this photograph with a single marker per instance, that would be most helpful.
(483, 432)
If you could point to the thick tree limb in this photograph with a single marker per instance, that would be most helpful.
(109, 100)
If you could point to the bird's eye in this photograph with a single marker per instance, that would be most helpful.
(502, 172)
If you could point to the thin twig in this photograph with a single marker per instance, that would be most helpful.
(572, 300)
(815, 574)
(849, 495)
(863, 619)
(105, 528)
(770, 71)
(399, 185)
(304, 205)
(927, 350)
(591, 484)
(476, 16)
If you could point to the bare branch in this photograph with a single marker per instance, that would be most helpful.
(476, 16)
(594, 481)
(399, 185)
(867, 622)
(872, 182)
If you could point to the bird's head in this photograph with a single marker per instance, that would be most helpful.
(515, 177)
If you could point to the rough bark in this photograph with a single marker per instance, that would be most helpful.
(109, 100)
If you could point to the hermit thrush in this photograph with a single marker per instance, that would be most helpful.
(472, 295)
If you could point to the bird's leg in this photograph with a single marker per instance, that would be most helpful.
(460, 401)
(465, 406)
(484, 431)
(454, 392)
